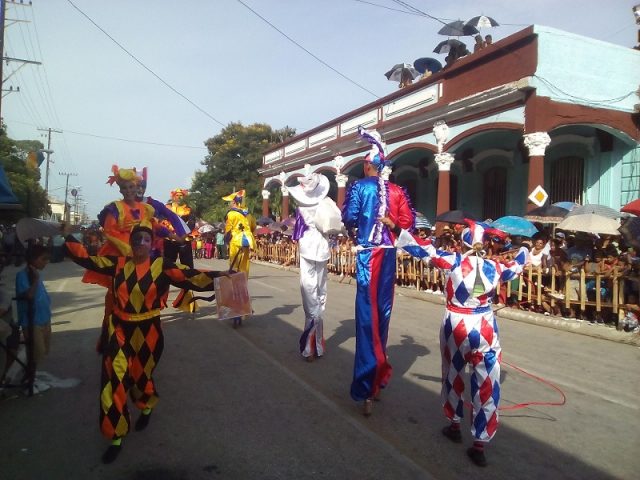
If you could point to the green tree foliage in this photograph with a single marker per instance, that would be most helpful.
(235, 155)
(24, 180)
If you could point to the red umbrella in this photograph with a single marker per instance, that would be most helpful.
(633, 207)
(262, 231)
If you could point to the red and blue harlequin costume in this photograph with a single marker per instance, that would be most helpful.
(469, 332)
(366, 202)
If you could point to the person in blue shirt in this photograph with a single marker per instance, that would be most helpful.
(34, 306)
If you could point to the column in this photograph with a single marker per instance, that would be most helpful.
(537, 143)
(285, 202)
(341, 180)
(444, 161)
(265, 202)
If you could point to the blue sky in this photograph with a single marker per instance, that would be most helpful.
(231, 64)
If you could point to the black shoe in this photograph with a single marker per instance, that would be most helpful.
(477, 456)
(111, 454)
(454, 435)
(142, 422)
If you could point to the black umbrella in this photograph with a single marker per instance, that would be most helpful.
(482, 21)
(451, 44)
(401, 71)
(427, 63)
(458, 29)
(547, 214)
(264, 221)
(630, 231)
(455, 216)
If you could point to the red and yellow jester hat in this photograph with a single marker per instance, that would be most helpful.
(178, 194)
(237, 197)
(121, 175)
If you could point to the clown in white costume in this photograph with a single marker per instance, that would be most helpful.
(317, 216)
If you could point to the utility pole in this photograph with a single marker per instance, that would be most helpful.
(48, 151)
(3, 58)
(65, 215)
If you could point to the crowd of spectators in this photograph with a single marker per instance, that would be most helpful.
(560, 264)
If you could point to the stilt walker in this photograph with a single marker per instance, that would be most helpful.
(366, 202)
(316, 217)
(239, 228)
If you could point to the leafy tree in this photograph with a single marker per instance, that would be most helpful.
(24, 180)
(235, 155)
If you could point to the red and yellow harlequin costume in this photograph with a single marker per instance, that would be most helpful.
(118, 220)
(135, 340)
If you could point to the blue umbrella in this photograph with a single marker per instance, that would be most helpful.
(566, 205)
(427, 63)
(515, 226)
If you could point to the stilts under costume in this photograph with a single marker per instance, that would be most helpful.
(317, 216)
(136, 340)
(366, 201)
(469, 331)
(239, 228)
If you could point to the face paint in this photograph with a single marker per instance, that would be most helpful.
(141, 239)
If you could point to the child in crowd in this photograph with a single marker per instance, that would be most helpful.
(34, 305)
(631, 315)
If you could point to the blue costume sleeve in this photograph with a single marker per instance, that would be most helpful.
(351, 207)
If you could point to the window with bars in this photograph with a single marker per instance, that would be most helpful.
(494, 193)
(567, 180)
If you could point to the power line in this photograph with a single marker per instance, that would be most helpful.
(106, 137)
(139, 62)
(304, 49)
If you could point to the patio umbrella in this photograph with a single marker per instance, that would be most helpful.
(262, 231)
(207, 228)
(630, 231)
(289, 222)
(450, 44)
(422, 222)
(547, 214)
(399, 71)
(600, 210)
(566, 205)
(264, 221)
(482, 21)
(458, 29)
(515, 226)
(455, 216)
(590, 223)
(427, 63)
(277, 227)
(32, 228)
(632, 207)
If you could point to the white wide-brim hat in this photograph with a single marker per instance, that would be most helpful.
(310, 190)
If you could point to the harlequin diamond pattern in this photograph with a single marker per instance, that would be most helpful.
(127, 370)
(470, 338)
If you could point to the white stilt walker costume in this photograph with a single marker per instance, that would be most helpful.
(317, 216)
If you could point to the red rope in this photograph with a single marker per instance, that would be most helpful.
(528, 404)
(541, 380)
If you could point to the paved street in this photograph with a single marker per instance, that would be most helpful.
(241, 404)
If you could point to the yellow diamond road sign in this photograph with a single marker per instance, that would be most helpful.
(538, 196)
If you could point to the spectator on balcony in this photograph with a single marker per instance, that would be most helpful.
(480, 43)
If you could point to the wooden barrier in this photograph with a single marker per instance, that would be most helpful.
(537, 289)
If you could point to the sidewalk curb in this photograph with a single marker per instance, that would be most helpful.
(557, 323)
